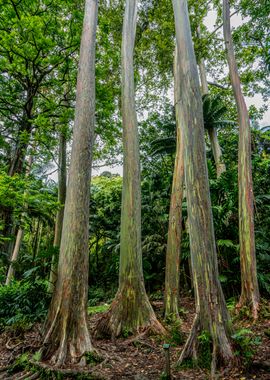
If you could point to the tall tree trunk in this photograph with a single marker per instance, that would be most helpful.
(66, 338)
(19, 236)
(131, 309)
(14, 256)
(62, 179)
(212, 132)
(250, 296)
(172, 274)
(17, 162)
(38, 240)
(16, 166)
(211, 312)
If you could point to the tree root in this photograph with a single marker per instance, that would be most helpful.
(23, 375)
(66, 342)
(4, 369)
(253, 306)
(65, 371)
(128, 316)
(264, 365)
(8, 347)
(221, 348)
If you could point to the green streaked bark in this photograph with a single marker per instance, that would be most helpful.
(171, 297)
(131, 309)
(66, 336)
(250, 296)
(211, 311)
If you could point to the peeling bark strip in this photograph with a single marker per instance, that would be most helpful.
(131, 309)
(66, 338)
(250, 296)
(211, 311)
(171, 298)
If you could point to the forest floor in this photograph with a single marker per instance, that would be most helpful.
(141, 357)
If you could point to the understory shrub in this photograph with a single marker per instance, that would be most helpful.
(23, 302)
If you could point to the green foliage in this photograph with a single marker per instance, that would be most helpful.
(105, 210)
(98, 296)
(20, 364)
(93, 358)
(98, 309)
(246, 343)
(23, 303)
(176, 336)
(231, 304)
(204, 350)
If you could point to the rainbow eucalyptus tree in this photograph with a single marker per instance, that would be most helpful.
(131, 309)
(211, 312)
(66, 337)
(172, 273)
(250, 296)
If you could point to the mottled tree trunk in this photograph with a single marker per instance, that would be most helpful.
(172, 273)
(212, 132)
(131, 309)
(66, 337)
(62, 178)
(250, 296)
(211, 312)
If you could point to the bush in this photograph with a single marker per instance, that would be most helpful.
(98, 295)
(23, 302)
(245, 343)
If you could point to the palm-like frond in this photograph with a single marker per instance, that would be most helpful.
(266, 128)
(165, 145)
(213, 113)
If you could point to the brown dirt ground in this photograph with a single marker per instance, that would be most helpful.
(142, 357)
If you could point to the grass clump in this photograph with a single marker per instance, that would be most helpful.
(98, 309)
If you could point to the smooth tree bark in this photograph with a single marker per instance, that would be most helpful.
(212, 132)
(62, 180)
(19, 236)
(211, 312)
(172, 272)
(250, 295)
(131, 309)
(66, 336)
